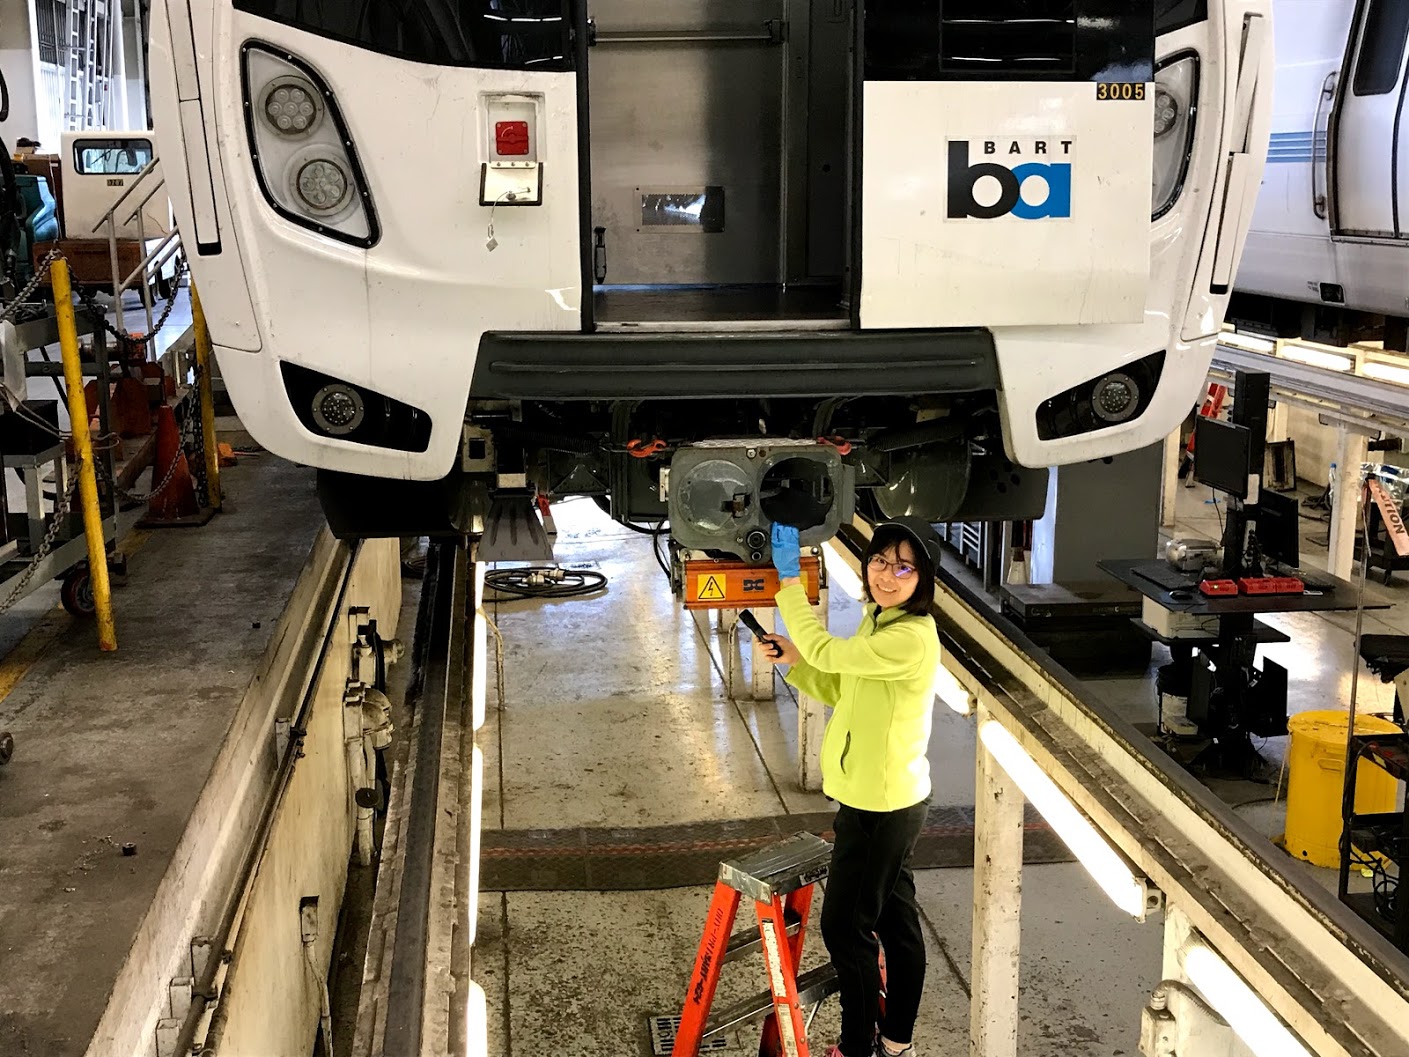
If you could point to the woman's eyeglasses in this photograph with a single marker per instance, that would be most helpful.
(900, 570)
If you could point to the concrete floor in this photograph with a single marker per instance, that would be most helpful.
(616, 713)
(116, 748)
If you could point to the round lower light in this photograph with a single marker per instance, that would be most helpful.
(338, 409)
(1116, 397)
(1166, 112)
(292, 107)
(323, 185)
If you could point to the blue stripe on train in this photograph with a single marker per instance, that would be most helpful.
(1295, 147)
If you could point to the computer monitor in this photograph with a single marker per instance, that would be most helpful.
(1222, 456)
(1279, 528)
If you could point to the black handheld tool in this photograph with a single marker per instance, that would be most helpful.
(750, 621)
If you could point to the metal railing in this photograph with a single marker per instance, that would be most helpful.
(1340, 397)
(152, 262)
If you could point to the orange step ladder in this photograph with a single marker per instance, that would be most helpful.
(780, 881)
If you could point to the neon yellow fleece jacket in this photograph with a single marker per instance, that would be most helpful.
(881, 683)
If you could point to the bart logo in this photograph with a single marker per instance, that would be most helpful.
(1056, 176)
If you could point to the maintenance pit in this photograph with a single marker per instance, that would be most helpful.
(618, 776)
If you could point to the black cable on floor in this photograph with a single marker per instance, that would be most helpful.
(544, 583)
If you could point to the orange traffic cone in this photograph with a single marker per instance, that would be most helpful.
(177, 500)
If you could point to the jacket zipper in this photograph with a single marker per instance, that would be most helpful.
(846, 748)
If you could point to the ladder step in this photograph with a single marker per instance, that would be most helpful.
(742, 944)
(778, 869)
(812, 987)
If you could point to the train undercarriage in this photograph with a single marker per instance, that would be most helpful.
(717, 472)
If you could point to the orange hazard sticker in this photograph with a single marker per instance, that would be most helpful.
(711, 589)
(713, 584)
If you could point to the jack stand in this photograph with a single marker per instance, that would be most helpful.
(513, 531)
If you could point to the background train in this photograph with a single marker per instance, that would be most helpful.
(1327, 256)
(903, 229)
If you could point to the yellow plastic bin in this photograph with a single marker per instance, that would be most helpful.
(1315, 783)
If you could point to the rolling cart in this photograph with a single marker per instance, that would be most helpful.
(35, 546)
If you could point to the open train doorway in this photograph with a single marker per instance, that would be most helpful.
(720, 133)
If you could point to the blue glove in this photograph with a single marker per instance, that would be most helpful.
(787, 557)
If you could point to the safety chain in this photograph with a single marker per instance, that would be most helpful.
(63, 502)
(62, 505)
(96, 311)
(187, 441)
(22, 298)
(125, 341)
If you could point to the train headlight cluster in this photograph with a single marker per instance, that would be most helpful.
(1176, 99)
(301, 149)
(292, 107)
(1167, 108)
(322, 185)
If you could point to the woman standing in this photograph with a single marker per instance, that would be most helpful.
(881, 684)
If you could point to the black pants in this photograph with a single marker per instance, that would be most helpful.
(870, 895)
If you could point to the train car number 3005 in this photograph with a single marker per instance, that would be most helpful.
(1123, 90)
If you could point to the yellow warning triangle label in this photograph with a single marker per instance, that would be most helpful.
(710, 589)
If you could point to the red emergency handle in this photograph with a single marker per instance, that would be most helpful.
(511, 138)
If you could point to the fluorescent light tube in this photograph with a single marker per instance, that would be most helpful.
(1106, 868)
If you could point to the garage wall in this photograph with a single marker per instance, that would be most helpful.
(273, 997)
(18, 48)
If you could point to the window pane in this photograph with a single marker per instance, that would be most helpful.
(1176, 14)
(115, 157)
(1014, 37)
(513, 34)
(1009, 40)
(1382, 47)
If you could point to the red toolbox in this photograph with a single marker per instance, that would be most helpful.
(1271, 585)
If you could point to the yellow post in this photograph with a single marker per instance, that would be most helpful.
(83, 446)
(207, 394)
